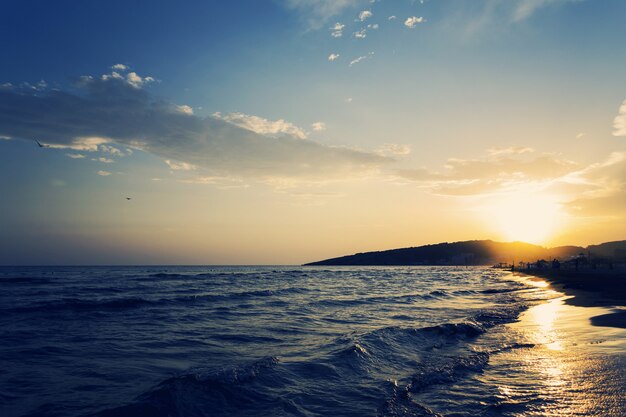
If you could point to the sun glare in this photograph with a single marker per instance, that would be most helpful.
(532, 218)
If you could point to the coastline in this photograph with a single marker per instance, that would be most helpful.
(589, 289)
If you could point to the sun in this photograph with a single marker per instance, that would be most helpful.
(531, 217)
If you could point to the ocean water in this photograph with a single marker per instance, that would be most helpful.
(297, 341)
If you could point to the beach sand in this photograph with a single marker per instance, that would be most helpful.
(589, 289)
(577, 365)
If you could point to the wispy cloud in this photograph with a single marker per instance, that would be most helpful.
(179, 166)
(261, 125)
(317, 12)
(111, 111)
(75, 155)
(333, 57)
(104, 173)
(494, 173)
(361, 58)
(619, 123)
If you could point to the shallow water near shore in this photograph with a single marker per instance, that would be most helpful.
(300, 341)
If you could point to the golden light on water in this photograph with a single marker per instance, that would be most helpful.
(544, 316)
(522, 216)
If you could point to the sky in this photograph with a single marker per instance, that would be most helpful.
(288, 131)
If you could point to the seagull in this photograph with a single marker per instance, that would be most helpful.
(40, 145)
(128, 198)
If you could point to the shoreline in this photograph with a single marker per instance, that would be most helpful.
(589, 289)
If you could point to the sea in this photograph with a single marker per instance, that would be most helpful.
(299, 341)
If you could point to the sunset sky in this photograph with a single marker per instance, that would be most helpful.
(287, 131)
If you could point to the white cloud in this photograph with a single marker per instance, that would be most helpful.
(185, 109)
(119, 67)
(412, 21)
(179, 166)
(361, 58)
(262, 126)
(333, 57)
(373, 26)
(360, 34)
(87, 144)
(619, 123)
(364, 15)
(111, 112)
(318, 126)
(104, 160)
(581, 135)
(132, 78)
(112, 150)
(392, 18)
(104, 173)
(337, 30)
(75, 155)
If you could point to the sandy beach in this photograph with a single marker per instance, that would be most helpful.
(589, 289)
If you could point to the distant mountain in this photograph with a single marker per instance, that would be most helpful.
(474, 252)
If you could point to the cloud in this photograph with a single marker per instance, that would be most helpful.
(333, 57)
(494, 173)
(75, 155)
(600, 189)
(262, 126)
(360, 34)
(514, 150)
(179, 166)
(119, 67)
(337, 30)
(104, 173)
(581, 135)
(373, 26)
(392, 18)
(361, 58)
(316, 12)
(319, 126)
(86, 144)
(395, 149)
(364, 15)
(112, 112)
(185, 109)
(526, 8)
(619, 123)
(412, 21)
(131, 78)
(104, 160)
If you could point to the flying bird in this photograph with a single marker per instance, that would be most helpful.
(40, 144)
(128, 198)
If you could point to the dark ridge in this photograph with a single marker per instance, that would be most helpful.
(474, 252)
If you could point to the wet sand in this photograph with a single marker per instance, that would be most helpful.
(590, 289)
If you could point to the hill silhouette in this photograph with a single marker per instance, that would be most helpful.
(475, 252)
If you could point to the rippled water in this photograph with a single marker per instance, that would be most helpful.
(292, 341)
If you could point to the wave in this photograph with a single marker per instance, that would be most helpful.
(447, 371)
(205, 392)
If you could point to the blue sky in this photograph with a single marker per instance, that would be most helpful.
(288, 130)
